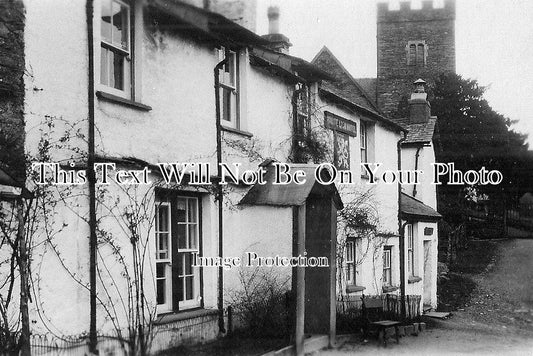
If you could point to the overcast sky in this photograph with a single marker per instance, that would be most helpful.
(494, 43)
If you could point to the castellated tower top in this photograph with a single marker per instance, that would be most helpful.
(428, 12)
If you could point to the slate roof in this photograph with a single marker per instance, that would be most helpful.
(287, 64)
(369, 85)
(411, 208)
(344, 85)
(175, 15)
(419, 133)
(290, 194)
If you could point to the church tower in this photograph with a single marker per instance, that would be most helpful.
(412, 44)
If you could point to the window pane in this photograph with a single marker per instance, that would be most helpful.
(162, 247)
(193, 236)
(363, 134)
(120, 25)
(189, 290)
(160, 270)
(182, 236)
(192, 210)
(188, 263)
(104, 66)
(226, 104)
(118, 71)
(181, 209)
(420, 55)
(349, 252)
(231, 69)
(412, 54)
(105, 24)
(161, 291)
(162, 223)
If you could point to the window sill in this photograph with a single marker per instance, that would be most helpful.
(118, 100)
(389, 289)
(183, 315)
(414, 279)
(236, 131)
(354, 289)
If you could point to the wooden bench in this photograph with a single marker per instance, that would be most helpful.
(373, 319)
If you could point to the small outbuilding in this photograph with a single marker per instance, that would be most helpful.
(314, 236)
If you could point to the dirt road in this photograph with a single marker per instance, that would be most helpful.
(497, 320)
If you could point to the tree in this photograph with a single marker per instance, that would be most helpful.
(471, 134)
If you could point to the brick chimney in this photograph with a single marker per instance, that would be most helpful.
(419, 106)
(278, 41)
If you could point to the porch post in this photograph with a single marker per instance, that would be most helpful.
(332, 276)
(300, 284)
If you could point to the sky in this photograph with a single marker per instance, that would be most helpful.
(494, 44)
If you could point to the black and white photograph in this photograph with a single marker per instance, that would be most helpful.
(266, 177)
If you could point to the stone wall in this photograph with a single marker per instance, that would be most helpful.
(12, 18)
(435, 26)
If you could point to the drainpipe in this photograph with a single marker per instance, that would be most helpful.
(416, 167)
(401, 228)
(93, 341)
(220, 195)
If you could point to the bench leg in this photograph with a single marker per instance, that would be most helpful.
(383, 332)
(397, 331)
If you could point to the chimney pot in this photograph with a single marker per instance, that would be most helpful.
(419, 106)
(273, 20)
(278, 41)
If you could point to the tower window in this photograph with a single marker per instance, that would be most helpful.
(417, 52)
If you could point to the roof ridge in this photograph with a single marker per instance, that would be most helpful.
(349, 75)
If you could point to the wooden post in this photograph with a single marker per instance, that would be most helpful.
(332, 275)
(23, 270)
(300, 285)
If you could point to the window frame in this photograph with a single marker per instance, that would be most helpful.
(363, 141)
(167, 262)
(127, 55)
(410, 249)
(351, 270)
(185, 303)
(418, 57)
(178, 301)
(387, 269)
(232, 89)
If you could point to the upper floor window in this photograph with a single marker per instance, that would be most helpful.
(363, 135)
(416, 53)
(228, 87)
(410, 250)
(115, 49)
(387, 265)
(301, 112)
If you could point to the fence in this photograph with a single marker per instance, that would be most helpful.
(50, 345)
(349, 309)
(520, 216)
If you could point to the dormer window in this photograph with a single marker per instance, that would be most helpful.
(417, 52)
